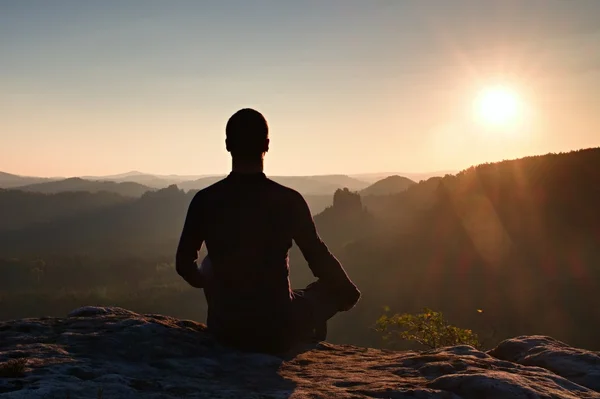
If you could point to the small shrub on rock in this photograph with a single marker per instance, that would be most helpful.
(428, 328)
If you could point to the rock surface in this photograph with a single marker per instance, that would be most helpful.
(113, 353)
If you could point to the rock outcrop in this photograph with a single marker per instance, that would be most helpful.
(113, 353)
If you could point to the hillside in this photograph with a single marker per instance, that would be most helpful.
(8, 180)
(318, 203)
(127, 189)
(390, 185)
(339, 181)
(414, 176)
(150, 223)
(115, 353)
(22, 209)
(517, 239)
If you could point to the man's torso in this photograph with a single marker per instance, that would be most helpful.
(248, 229)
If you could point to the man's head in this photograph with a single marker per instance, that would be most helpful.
(247, 135)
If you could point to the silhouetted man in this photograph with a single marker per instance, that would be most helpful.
(248, 223)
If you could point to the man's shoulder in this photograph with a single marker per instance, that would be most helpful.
(211, 190)
(285, 190)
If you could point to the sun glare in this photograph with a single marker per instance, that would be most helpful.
(497, 106)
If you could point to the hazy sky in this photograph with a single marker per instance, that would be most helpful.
(102, 87)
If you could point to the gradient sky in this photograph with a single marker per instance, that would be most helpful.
(103, 87)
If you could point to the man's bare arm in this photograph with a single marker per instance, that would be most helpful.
(321, 261)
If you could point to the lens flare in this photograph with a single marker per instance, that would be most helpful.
(497, 106)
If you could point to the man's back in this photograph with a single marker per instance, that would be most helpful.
(248, 223)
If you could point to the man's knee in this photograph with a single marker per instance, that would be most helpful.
(322, 300)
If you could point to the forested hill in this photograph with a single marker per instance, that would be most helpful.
(110, 226)
(21, 209)
(389, 185)
(127, 189)
(8, 180)
(517, 239)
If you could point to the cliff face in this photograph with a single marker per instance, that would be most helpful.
(114, 353)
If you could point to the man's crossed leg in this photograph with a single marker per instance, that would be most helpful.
(311, 308)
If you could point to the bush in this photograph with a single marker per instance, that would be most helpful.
(428, 328)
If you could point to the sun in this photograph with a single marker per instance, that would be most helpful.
(497, 105)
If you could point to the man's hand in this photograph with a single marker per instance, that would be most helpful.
(349, 296)
(321, 261)
(344, 293)
(195, 278)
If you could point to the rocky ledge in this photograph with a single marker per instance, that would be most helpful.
(114, 353)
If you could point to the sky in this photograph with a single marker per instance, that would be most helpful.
(105, 87)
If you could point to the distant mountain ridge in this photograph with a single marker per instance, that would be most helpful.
(154, 181)
(311, 185)
(390, 185)
(307, 185)
(127, 189)
(8, 180)
(414, 176)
